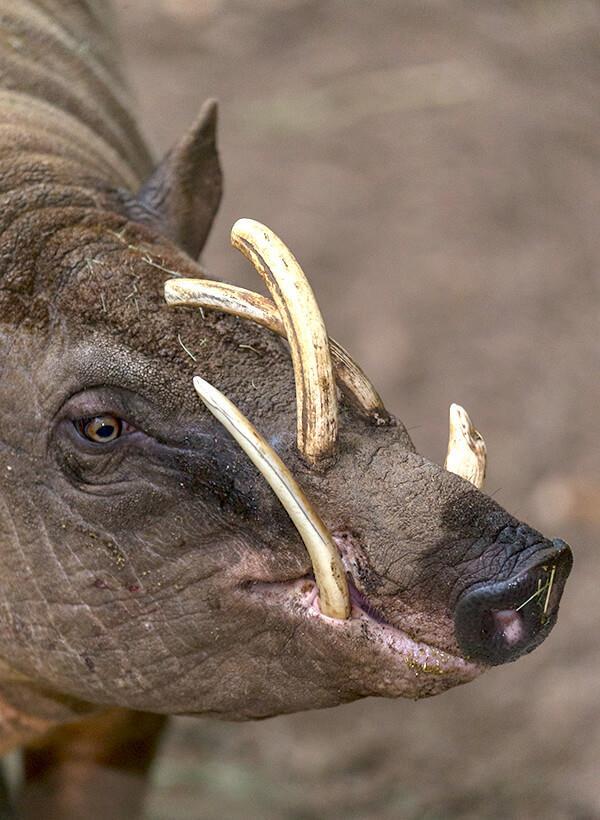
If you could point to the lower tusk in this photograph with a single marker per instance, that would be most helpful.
(326, 562)
(467, 454)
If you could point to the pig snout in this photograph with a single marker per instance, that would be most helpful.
(499, 621)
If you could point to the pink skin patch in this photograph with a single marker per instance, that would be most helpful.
(510, 624)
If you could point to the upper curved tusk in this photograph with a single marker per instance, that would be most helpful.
(205, 293)
(316, 399)
(467, 454)
(355, 385)
(327, 564)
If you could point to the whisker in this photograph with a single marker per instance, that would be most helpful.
(550, 585)
(187, 350)
(531, 597)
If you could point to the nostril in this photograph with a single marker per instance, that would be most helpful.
(504, 624)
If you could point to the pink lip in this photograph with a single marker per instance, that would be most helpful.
(302, 599)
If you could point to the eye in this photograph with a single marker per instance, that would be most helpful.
(101, 429)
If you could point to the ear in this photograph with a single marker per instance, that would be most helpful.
(182, 195)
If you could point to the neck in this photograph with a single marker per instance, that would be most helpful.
(85, 119)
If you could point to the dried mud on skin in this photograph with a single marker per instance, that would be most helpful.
(435, 167)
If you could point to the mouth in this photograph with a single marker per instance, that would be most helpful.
(404, 666)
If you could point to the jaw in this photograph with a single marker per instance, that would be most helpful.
(366, 655)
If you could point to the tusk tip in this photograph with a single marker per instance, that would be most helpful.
(467, 453)
(204, 389)
(246, 228)
(458, 415)
(201, 385)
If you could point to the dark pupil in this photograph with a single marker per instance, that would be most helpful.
(102, 428)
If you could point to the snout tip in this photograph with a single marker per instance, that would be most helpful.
(498, 622)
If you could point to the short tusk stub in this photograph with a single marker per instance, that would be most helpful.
(327, 564)
(467, 454)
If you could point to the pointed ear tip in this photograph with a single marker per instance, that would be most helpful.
(209, 114)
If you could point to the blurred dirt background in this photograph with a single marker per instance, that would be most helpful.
(434, 165)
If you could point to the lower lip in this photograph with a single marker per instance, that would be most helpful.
(301, 598)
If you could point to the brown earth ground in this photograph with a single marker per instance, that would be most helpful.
(434, 164)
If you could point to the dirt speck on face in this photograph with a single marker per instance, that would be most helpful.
(434, 166)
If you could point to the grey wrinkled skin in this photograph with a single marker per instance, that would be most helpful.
(150, 573)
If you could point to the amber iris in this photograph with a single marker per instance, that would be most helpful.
(100, 428)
